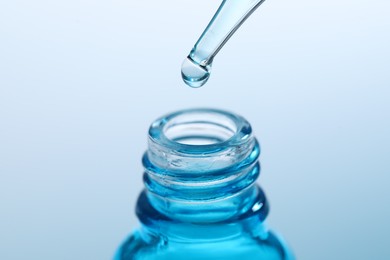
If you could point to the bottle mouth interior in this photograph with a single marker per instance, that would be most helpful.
(199, 131)
(200, 127)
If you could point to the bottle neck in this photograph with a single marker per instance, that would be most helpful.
(201, 167)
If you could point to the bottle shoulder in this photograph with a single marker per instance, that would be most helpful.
(163, 238)
(245, 246)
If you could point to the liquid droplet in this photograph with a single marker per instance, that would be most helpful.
(193, 74)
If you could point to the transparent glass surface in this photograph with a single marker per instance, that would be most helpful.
(200, 199)
(229, 17)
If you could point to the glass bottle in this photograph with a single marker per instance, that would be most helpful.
(201, 200)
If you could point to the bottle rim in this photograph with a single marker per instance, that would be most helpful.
(223, 129)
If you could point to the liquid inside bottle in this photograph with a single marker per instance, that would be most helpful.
(229, 17)
(201, 200)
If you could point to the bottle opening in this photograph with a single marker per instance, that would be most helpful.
(200, 128)
(199, 141)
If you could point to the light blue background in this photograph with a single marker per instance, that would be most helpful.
(80, 82)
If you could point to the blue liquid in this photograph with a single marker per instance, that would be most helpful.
(229, 17)
(193, 74)
(201, 200)
(226, 241)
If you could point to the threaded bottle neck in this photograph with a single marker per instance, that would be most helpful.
(201, 165)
